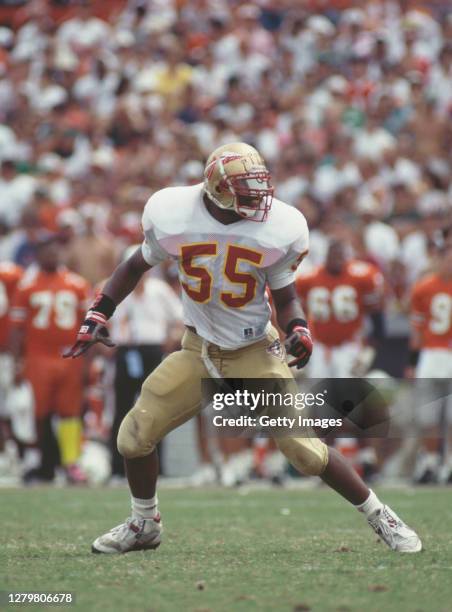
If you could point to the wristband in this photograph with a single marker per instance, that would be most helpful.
(102, 309)
(296, 323)
(413, 357)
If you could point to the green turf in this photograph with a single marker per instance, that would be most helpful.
(225, 550)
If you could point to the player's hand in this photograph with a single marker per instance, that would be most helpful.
(299, 344)
(91, 332)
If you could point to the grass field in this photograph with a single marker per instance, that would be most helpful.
(228, 551)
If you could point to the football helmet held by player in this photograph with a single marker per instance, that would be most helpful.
(236, 178)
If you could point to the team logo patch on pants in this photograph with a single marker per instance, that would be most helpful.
(276, 349)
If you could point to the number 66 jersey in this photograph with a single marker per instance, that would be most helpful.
(224, 269)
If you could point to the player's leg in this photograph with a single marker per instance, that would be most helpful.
(68, 393)
(309, 455)
(41, 380)
(8, 462)
(429, 390)
(350, 360)
(126, 387)
(313, 458)
(170, 396)
(6, 382)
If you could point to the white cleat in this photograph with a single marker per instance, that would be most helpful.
(393, 531)
(134, 534)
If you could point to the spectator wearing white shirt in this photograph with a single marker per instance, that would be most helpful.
(16, 192)
(84, 30)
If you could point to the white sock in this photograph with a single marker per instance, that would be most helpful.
(371, 505)
(144, 508)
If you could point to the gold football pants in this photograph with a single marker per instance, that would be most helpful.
(171, 395)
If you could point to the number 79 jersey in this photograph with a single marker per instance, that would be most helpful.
(50, 307)
(224, 269)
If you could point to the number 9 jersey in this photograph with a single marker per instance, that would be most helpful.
(224, 269)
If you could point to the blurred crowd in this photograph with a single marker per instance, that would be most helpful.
(349, 102)
(351, 109)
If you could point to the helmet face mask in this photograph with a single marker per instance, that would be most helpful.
(235, 178)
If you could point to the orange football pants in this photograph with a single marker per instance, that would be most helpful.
(57, 385)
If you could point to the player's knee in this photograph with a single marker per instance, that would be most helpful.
(308, 455)
(130, 442)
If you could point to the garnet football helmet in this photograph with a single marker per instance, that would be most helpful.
(236, 178)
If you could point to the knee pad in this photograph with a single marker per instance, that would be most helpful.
(131, 442)
(166, 401)
(308, 455)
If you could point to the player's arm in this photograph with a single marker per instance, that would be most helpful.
(415, 346)
(16, 346)
(292, 320)
(373, 300)
(417, 323)
(122, 282)
(18, 316)
(126, 277)
(281, 282)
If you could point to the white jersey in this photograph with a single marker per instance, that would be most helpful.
(224, 269)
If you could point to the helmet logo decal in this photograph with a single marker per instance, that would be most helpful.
(225, 159)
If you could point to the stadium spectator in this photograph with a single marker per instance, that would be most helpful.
(92, 254)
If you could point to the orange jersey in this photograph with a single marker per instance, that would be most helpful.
(335, 304)
(51, 308)
(10, 274)
(431, 311)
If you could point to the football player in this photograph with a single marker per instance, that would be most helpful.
(336, 298)
(231, 238)
(47, 309)
(430, 357)
(10, 274)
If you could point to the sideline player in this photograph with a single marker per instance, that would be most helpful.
(47, 309)
(231, 238)
(431, 358)
(336, 297)
(10, 274)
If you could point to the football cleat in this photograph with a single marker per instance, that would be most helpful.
(134, 534)
(393, 531)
